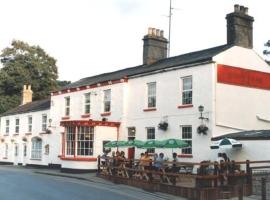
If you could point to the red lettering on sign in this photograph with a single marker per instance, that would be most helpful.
(243, 77)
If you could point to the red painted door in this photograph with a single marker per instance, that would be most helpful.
(131, 153)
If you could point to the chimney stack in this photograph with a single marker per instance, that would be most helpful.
(239, 27)
(26, 94)
(154, 46)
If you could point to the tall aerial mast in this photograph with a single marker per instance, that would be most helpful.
(170, 19)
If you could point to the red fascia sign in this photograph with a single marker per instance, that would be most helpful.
(243, 77)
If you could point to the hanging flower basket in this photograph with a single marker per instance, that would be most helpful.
(202, 129)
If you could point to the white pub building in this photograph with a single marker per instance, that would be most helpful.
(156, 100)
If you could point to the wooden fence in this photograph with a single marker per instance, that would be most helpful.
(201, 181)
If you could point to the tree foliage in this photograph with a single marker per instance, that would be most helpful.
(267, 51)
(24, 64)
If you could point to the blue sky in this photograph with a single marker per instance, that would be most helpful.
(89, 37)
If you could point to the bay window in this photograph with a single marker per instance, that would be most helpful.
(79, 141)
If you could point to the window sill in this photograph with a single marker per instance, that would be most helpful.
(85, 116)
(105, 114)
(185, 156)
(149, 109)
(43, 133)
(15, 134)
(28, 134)
(6, 135)
(5, 158)
(38, 159)
(78, 159)
(65, 118)
(185, 106)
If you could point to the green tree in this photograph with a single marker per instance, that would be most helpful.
(266, 52)
(25, 64)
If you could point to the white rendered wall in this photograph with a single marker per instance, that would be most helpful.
(77, 110)
(168, 97)
(11, 139)
(237, 107)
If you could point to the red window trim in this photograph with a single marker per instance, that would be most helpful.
(89, 123)
(65, 118)
(85, 116)
(185, 106)
(105, 114)
(185, 156)
(123, 80)
(149, 109)
(92, 159)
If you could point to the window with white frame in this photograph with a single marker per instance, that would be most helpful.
(151, 136)
(16, 149)
(151, 95)
(17, 125)
(7, 126)
(30, 121)
(47, 149)
(131, 133)
(44, 122)
(187, 90)
(87, 102)
(67, 106)
(36, 150)
(24, 150)
(6, 150)
(70, 140)
(85, 141)
(107, 100)
(187, 137)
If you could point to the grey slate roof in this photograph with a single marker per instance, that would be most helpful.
(247, 135)
(181, 60)
(34, 106)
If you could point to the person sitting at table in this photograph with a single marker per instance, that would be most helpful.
(158, 163)
(147, 164)
(175, 168)
(146, 160)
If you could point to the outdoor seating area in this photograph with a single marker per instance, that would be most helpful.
(204, 180)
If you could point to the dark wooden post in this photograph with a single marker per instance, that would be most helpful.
(249, 172)
(216, 174)
(240, 191)
(263, 188)
(98, 171)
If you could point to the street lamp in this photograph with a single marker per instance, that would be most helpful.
(201, 109)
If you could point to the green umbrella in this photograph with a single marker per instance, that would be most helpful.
(151, 144)
(115, 144)
(174, 143)
(134, 143)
